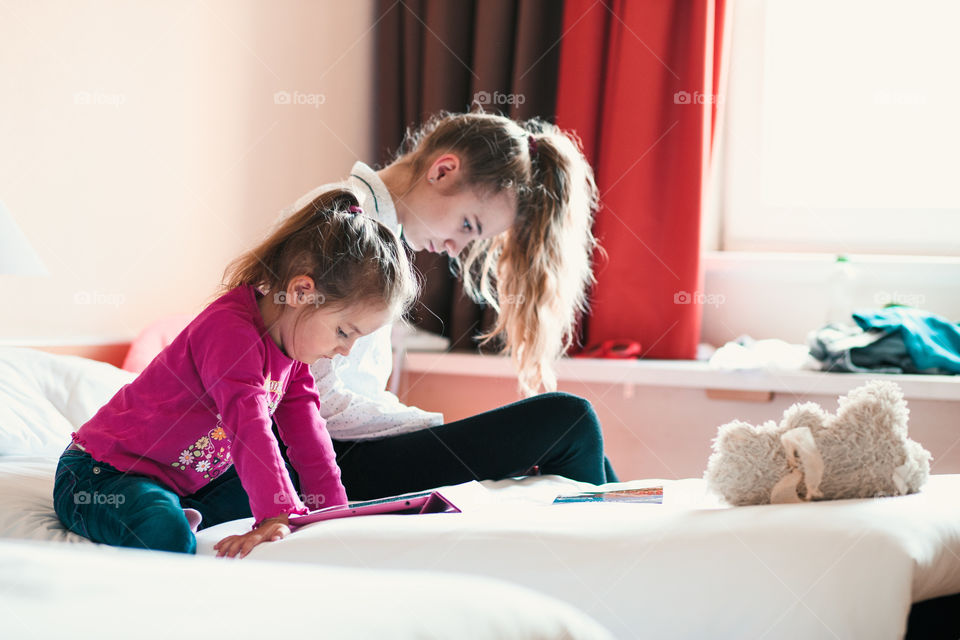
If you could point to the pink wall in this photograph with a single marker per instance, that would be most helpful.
(144, 145)
(663, 432)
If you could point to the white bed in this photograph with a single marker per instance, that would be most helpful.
(49, 589)
(55, 591)
(688, 568)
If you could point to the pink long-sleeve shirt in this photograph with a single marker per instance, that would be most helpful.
(206, 402)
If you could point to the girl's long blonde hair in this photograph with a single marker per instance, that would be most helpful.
(352, 258)
(536, 274)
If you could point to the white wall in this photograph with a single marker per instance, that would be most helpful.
(785, 296)
(143, 149)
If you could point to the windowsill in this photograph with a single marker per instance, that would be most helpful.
(719, 259)
(683, 374)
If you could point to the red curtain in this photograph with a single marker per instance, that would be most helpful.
(638, 83)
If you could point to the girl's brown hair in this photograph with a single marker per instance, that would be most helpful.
(352, 258)
(536, 274)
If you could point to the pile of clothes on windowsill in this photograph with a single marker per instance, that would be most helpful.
(891, 340)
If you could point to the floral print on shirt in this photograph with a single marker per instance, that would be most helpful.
(209, 455)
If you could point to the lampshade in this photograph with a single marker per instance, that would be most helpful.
(16, 255)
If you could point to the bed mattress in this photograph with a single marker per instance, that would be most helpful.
(683, 568)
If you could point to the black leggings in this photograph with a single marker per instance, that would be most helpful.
(556, 432)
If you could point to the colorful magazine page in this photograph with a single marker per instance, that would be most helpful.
(648, 495)
(411, 503)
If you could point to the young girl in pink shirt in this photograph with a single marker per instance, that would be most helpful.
(323, 278)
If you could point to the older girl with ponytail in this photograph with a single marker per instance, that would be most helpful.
(512, 203)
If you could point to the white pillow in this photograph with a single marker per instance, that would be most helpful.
(44, 397)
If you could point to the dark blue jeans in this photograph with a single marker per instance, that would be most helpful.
(557, 432)
(106, 505)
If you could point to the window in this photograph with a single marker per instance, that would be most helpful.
(842, 132)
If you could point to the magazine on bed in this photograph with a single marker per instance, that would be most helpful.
(648, 495)
(410, 503)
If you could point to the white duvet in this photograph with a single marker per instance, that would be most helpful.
(56, 592)
(683, 569)
(688, 568)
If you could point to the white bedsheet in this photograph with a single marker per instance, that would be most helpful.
(681, 569)
(26, 501)
(54, 591)
(688, 568)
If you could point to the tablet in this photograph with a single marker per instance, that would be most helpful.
(411, 503)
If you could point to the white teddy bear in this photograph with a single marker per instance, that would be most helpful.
(862, 452)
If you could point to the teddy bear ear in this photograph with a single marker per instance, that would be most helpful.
(878, 402)
(731, 431)
(806, 414)
(729, 435)
(915, 471)
(882, 391)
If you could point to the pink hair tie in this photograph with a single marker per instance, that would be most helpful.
(532, 143)
(354, 209)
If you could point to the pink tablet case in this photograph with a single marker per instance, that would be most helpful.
(413, 503)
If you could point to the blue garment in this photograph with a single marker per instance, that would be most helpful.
(931, 341)
(99, 502)
(104, 504)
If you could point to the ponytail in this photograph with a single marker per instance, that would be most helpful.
(535, 274)
(543, 262)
